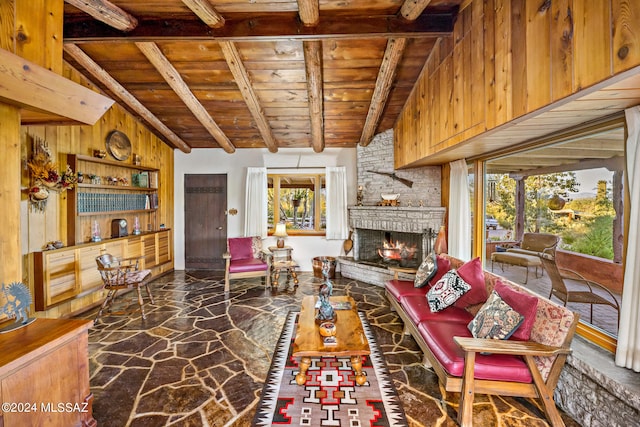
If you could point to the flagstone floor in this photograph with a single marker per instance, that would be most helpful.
(200, 359)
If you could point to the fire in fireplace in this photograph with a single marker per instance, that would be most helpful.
(398, 251)
(383, 248)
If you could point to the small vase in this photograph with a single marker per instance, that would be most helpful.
(440, 246)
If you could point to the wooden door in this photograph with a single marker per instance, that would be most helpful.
(205, 221)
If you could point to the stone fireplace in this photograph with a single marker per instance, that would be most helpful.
(408, 228)
(373, 226)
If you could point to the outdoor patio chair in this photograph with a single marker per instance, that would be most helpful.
(579, 289)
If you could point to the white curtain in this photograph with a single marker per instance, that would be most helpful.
(255, 204)
(628, 349)
(459, 225)
(337, 216)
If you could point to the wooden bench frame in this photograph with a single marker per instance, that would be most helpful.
(468, 386)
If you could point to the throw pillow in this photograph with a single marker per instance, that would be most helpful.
(472, 273)
(446, 291)
(443, 265)
(496, 319)
(525, 304)
(426, 271)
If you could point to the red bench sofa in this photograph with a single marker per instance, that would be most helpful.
(513, 367)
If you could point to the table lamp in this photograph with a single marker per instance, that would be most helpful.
(280, 233)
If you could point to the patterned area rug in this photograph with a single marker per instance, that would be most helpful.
(330, 397)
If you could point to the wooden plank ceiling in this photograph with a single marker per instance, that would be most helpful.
(237, 74)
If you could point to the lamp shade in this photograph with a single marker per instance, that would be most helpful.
(281, 230)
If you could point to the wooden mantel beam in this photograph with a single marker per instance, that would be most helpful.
(206, 12)
(107, 12)
(411, 9)
(265, 28)
(313, 69)
(105, 78)
(30, 86)
(241, 76)
(309, 11)
(392, 56)
(174, 79)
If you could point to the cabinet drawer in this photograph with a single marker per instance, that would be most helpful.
(89, 275)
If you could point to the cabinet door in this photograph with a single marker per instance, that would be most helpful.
(60, 274)
(89, 276)
(164, 247)
(134, 247)
(149, 245)
(115, 248)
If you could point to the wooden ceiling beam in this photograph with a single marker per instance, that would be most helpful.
(309, 11)
(101, 75)
(390, 61)
(241, 76)
(313, 70)
(411, 9)
(107, 12)
(174, 79)
(206, 12)
(265, 28)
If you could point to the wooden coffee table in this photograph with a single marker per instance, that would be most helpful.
(351, 341)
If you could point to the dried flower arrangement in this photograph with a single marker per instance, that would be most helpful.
(45, 176)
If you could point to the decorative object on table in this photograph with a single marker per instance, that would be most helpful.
(95, 232)
(119, 227)
(283, 401)
(280, 233)
(389, 199)
(16, 299)
(318, 262)
(45, 176)
(440, 246)
(80, 177)
(118, 145)
(140, 179)
(359, 196)
(136, 226)
(56, 244)
(325, 312)
(327, 329)
(395, 177)
(100, 154)
(137, 159)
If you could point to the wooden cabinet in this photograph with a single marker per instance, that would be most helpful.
(110, 190)
(64, 274)
(44, 364)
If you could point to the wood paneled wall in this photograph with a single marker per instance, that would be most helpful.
(507, 58)
(38, 228)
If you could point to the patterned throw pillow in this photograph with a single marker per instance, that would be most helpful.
(496, 319)
(446, 291)
(426, 271)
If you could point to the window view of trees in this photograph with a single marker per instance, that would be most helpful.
(553, 204)
(297, 200)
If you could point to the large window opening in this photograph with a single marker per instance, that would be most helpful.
(572, 189)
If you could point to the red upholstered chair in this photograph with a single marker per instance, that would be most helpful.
(245, 258)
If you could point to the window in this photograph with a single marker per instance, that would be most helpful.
(297, 200)
(571, 187)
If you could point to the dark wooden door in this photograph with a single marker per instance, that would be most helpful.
(205, 221)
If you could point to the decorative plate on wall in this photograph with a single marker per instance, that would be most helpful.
(118, 145)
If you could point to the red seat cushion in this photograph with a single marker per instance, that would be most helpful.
(417, 308)
(240, 248)
(439, 338)
(246, 265)
(402, 288)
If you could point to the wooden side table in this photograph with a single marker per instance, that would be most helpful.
(281, 260)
